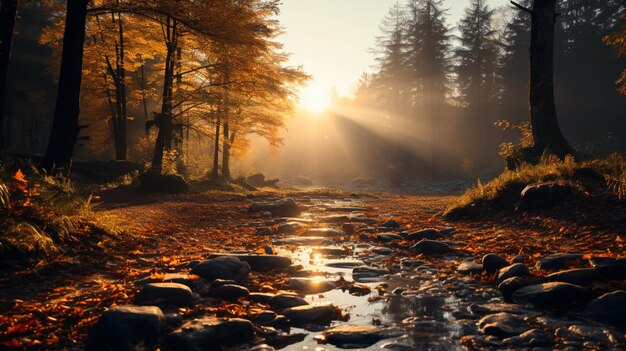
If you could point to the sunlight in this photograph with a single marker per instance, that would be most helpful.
(315, 97)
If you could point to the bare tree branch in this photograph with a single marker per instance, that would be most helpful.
(521, 7)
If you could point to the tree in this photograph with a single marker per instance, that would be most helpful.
(8, 12)
(618, 39)
(545, 125)
(65, 126)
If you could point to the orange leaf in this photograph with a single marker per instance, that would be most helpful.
(20, 177)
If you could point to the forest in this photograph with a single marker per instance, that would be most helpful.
(197, 175)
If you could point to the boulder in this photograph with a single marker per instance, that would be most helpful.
(223, 267)
(229, 292)
(514, 270)
(467, 268)
(430, 247)
(284, 207)
(164, 294)
(353, 336)
(429, 233)
(127, 328)
(610, 308)
(560, 261)
(502, 325)
(155, 182)
(545, 195)
(312, 314)
(610, 268)
(578, 276)
(260, 263)
(511, 285)
(282, 301)
(552, 295)
(492, 263)
(210, 333)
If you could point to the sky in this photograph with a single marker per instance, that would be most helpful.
(331, 38)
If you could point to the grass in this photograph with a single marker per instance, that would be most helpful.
(504, 191)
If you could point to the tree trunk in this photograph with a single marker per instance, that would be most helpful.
(121, 147)
(545, 126)
(226, 153)
(65, 127)
(216, 152)
(8, 12)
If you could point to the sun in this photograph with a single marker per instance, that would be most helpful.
(315, 98)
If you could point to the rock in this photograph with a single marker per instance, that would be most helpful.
(284, 340)
(365, 273)
(265, 317)
(330, 252)
(387, 237)
(517, 259)
(262, 347)
(264, 231)
(224, 267)
(127, 328)
(284, 207)
(531, 338)
(545, 195)
(311, 285)
(337, 219)
(430, 247)
(260, 263)
(164, 294)
(210, 333)
(289, 227)
(324, 232)
(281, 301)
(579, 334)
(263, 298)
(511, 285)
(609, 308)
(381, 250)
(514, 270)
(429, 233)
(304, 241)
(391, 224)
(312, 314)
(552, 295)
(155, 182)
(492, 263)
(167, 278)
(578, 276)
(352, 336)
(610, 268)
(344, 263)
(229, 292)
(560, 261)
(502, 325)
(470, 268)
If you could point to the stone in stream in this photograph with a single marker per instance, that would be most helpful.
(127, 328)
(354, 336)
(164, 294)
(578, 276)
(260, 263)
(229, 292)
(610, 268)
(337, 219)
(502, 325)
(365, 273)
(284, 207)
(210, 333)
(259, 297)
(264, 231)
(224, 267)
(304, 241)
(344, 263)
(281, 301)
(311, 285)
(560, 261)
(514, 270)
(531, 338)
(430, 247)
(387, 237)
(391, 224)
(265, 317)
(511, 285)
(552, 295)
(492, 263)
(467, 268)
(609, 308)
(289, 227)
(324, 232)
(428, 233)
(381, 250)
(330, 251)
(312, 314)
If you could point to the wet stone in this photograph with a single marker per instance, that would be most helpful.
(578, 276)
(324, 232)
(610, 268)
(365, 273)
(492, 263)
(517, 259)
(330, 251)
(209, 333)
(298, 240)
(283, 207)
(552, 295)
(381, 250)
(560, 261)
(260, 263)
(265, 231)
(168, 278)
(311, 285)
(391, 224)
(225, 267)
(429, 233)
(514, 270)
(281, 301)
(164, 294)
(430, 247)
(352, 336)
(577, 334)
(127, 328)
(387, 237)
(289, 227)
(502, 325)
(258, 297)
(531, 338)
(312, 314)
(610, 308)
(470, 268)
(265, 317)
(344, 263)
(229, 291)
(511, 285)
